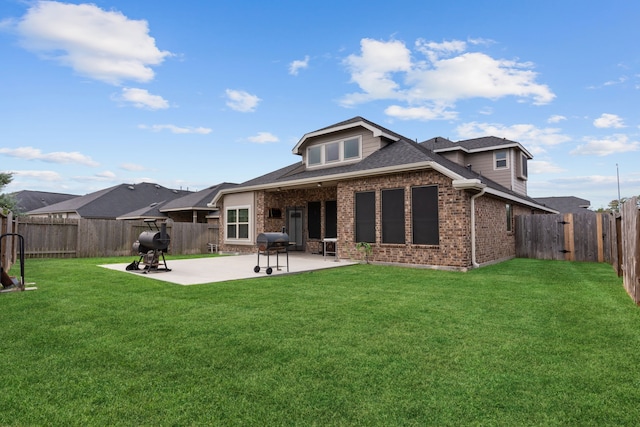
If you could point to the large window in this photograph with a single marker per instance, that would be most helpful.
(238, 223)
(366, 217)
(424, 209)
(393, 216)
(334, 152)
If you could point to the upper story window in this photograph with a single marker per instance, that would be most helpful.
(523, 173)
(500, 158)
(334, 152)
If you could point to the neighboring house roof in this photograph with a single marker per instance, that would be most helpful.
(197, 200)
(400, 156)
(29, 200)
(565, 204)
(147, 212)
(113, 201)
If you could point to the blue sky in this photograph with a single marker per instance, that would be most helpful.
(190, 94)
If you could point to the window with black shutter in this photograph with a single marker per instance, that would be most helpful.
(313, 220)
(424, 207)
(366, 217)
(330, 218)
(393, 216)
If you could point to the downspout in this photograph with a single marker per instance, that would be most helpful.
(473, 228)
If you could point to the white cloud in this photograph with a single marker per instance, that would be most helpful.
(141, 98)
(297, 65)
(448, 73)
(30, 153)
(533, 138)
(618, 143)
(133, 167)
(39, 175)
(543, 166)
(263, 138)
(608, 121)
(106, 175)
(177, 129)
(372, 70)
(102, 45)
(556, 119)
(420, 113)
(242, 101)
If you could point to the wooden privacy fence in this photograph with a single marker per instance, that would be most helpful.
(572, 237)
(84, 238)
(630, 229)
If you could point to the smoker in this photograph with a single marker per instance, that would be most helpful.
(269, 243)
(151, 246)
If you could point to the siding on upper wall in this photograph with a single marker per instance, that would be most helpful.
(483, 163)
(370, 143)
(456, 156)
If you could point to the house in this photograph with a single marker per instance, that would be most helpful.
(110, 202)
(566, 204)
(191, 207)
(28, 200)
(437, 203)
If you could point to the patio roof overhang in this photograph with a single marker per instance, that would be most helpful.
(332, 180)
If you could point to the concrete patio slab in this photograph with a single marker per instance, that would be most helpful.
(233, 267)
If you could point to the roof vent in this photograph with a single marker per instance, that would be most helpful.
(131, 187)
(157, 186)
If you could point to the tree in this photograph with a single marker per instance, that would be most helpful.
(7, 201)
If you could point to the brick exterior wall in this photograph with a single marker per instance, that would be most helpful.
(454, 249)
(493, 241)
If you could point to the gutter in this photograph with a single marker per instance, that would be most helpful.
(474, 262)
(472, 184)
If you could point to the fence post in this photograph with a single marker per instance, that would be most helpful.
(631, 248)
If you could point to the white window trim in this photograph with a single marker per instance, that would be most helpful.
(341, 160)
(249, 239)
(495, 160)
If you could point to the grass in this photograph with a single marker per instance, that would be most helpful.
(525, 342)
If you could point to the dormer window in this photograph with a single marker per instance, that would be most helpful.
(501, 159)
(334, 152)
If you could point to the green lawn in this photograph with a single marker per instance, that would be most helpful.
(525, 342)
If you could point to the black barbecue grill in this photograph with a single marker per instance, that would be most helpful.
(151, 246)
(269, 243)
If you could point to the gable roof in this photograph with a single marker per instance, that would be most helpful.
(401, 156)
(29, 200)
(113, 201)
(348, 124)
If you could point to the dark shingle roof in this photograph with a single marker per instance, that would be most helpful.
(29, 200)
(401, 152)
(197, 200)
(565, 204)
(469, 145)
(114, 201)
